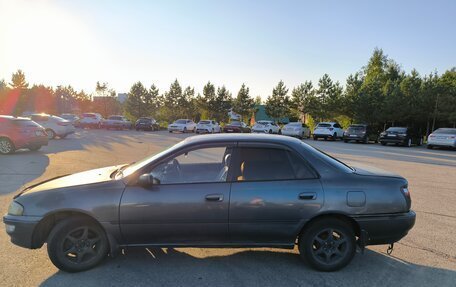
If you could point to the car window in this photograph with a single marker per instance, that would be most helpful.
(324, 126)
(259, 164)
(196, 166)
(39, 118)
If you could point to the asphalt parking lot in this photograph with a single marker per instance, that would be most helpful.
(426, 257)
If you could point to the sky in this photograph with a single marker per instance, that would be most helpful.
(226, 42)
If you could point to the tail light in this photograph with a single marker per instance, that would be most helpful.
(431, 135)
(405, 190)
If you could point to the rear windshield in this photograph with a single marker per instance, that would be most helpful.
(263, 123)
(295, 125)
(334, 161)
(115, 118)
(397, 130)
(25, 123)
(357, 128)
(445, 131)
(144, 120)
(89, 116)
(324, 125)
(235, 124)
(180, 122)
(204, 122)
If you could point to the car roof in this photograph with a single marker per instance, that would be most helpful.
(212, 138)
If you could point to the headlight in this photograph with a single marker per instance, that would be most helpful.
(15, 209)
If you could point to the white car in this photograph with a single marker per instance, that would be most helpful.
(91, 120)
(327, 130)
(207, 126)
(54, 126)
(182, 125)
(296, 129)
(443, 137)
(266, 127)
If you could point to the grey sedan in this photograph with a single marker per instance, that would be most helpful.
(227, 190)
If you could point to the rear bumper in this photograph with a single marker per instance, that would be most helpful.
(394, 140)
(386, 228)
(291, 133)
(323, 135)
(20, 229)
(354, 137)
(442, 143)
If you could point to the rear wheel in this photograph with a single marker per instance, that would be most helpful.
(365, 140)
(315, 138)
(383, 143)
(334, 136)
(328, 244)
(77, 244)
(6, 146)
(185, 130)
(51, 134)
(345, 141)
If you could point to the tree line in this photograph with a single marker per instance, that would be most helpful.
(380, 94)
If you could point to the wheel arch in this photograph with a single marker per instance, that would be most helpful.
(335, 215)
(45, 226)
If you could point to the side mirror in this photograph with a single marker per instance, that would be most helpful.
(147, 180)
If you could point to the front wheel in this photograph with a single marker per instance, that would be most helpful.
(6, 146)
(76, 244)
(328, 244)
(51, 134)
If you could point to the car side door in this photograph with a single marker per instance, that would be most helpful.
(274, 192)
(187, 203)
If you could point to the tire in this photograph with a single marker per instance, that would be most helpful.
(170, 132)
(35, 148)
(185, 130)
(270, 131)
(51, 134)
(366, 140)
(76, 244)
(6, 146)
(334, 136)
(429, 146)
(315, 138)
(383, 143)
(345, 141)
(324, 252)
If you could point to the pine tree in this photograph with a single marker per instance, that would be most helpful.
(135, 106)
(278, 104)
(243, 104)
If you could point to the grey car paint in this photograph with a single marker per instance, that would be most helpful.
(248, 214)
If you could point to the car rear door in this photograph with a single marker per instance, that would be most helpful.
(274, 192)
(190, 204)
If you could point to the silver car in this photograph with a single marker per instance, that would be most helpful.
(443, 137)
(220, 190)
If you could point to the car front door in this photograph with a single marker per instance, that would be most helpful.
(274, 192)
(187, 204)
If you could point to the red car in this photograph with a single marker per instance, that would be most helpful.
(18, 133)
(236, 127)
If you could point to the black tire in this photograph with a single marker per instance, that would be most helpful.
(77, 244)
(345, 141)
(185, 130)
(383, 143)
(324, 252)
(170, 132)
(35, 148)
(270, 131)
(51, 134)
(334, 137)
(315, 138)
(6, 146)
(366, 140)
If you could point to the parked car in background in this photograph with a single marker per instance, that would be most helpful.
(296, 129)
(117, 122)
(219, 190)
(18, 133)
(91, 120)
(54, 126)
(325, 130)
(147, 124)
(267, 127)
(443, 137)
(72, 118)
(207, 126)
(182, 125)
(236, 127)
(400, 136)
(360, 133)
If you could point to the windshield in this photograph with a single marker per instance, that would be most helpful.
(204, 122)
(397, 130)
(115, 118)
(89, 116)
(445, 131)
(294, 124)
(144, 162)
(237, 124)
(356, 128)
(180, 122)
(324, 125)
(263, 123)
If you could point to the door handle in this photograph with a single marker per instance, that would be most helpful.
(214, 197)
(308, 196)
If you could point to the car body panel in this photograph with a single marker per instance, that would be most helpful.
(61, 127)
(296, 129)
(251, 213)
(117, 122)
(147, 124)
(182, 125)
(400, 135)
(444, 137)
(93, 120)
(265, 127)
(236, 127)
(208, 126)
(328, 130)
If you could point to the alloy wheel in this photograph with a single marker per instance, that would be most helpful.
(329, 246)
(5, 146)
(81, 245)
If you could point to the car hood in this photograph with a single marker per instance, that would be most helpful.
(373, 171)
(82, 178)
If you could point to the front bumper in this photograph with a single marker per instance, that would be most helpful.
(386, 228)
(20, 229)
